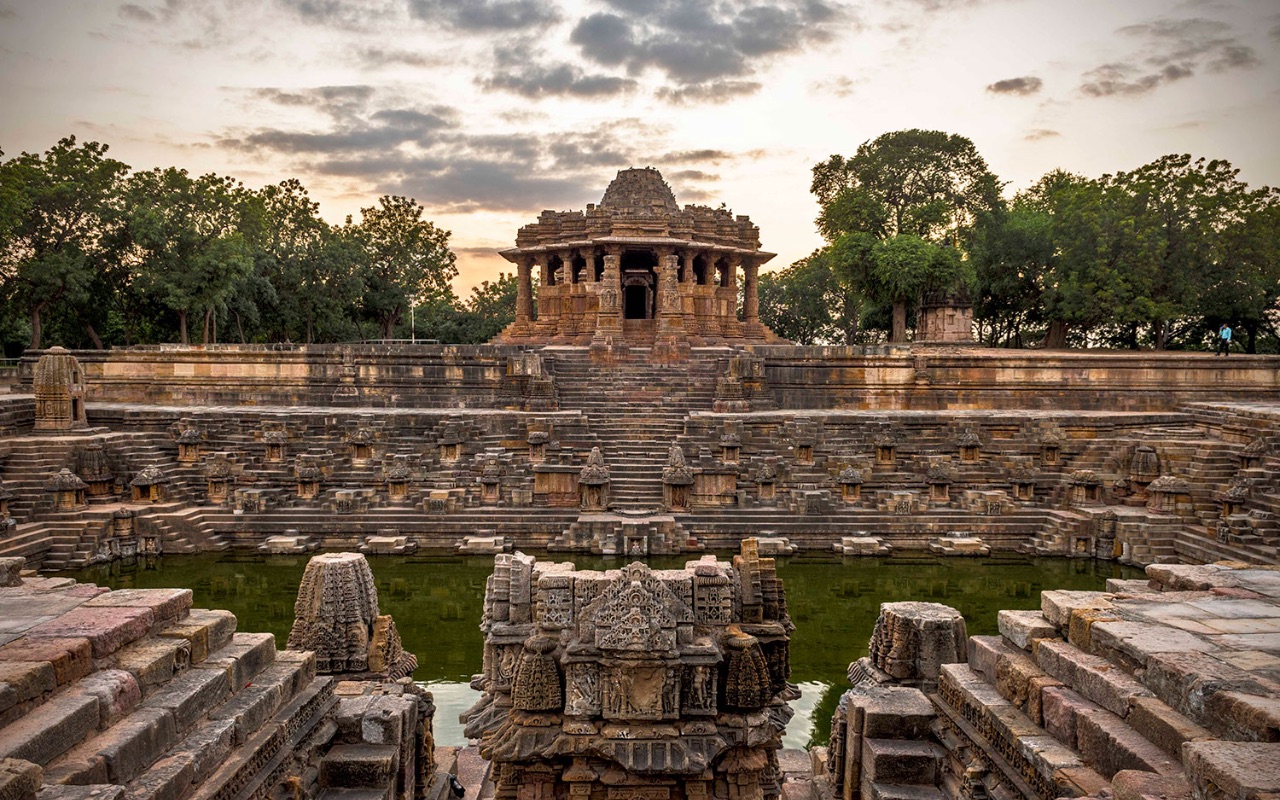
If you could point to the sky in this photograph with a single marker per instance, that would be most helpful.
(489, 111)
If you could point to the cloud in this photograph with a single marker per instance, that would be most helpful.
(1124, 79)
(692, 175)
(137, 13)
(840, 86)
(696, 42)
(487, 15)
(1169, 50)
(1023, 86)
(337, 102)
(714, 92)
(1037, 134)
(1274, 33)
(695, 157)
(428, 153)
(519, 71)
(376, 57)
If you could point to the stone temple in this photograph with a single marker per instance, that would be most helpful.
(638, 269)
(638, 409)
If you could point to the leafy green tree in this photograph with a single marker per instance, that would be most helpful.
(926, 183)
(193, 240)
(1011, 251)
(311, 269)
(59, 212)
(895, 211)
(406, 259)
(1244, 289)
(490, 308)
(808, 303)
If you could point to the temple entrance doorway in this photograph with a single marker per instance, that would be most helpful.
(639, 284)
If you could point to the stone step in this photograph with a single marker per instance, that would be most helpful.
(1039, 757)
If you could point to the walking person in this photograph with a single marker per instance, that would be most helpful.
(1224, 341)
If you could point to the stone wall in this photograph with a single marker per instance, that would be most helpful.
(966, 378)
(443, 376)
(883, 377)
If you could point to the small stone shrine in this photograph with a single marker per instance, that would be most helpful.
(638, 269)
(337, 616)
(660, 684)
(58, 384)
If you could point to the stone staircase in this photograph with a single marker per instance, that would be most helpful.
(135, 692)
(1123, 688)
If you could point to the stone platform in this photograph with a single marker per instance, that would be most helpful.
(1168, 687)
(135, 694)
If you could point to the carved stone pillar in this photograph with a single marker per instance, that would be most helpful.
(609, 314)
(524, 295)
(750, 293)
(548, 302)
(727, 297)
(670, 343)
(565, 283)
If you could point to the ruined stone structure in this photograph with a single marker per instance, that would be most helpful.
(663, 684)
(1152, 688)
(133, 693)
(638, 269)
(336, 617)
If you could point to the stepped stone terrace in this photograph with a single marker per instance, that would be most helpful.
(633, 412)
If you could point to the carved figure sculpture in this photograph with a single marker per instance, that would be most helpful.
(593, 483)
(677, 479)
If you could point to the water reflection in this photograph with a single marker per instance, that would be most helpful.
(436, 602)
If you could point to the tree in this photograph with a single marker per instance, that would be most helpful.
(192, 239)
(1011, 250)
(897, 210)
(490, 308)
(904, 267)
(808, 304)
(310, 268)
(406, 259)
(927, 183)
(59, 211)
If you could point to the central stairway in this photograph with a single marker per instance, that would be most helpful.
(637, 409)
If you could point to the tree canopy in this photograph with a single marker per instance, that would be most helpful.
(94, 254)
(894, 212)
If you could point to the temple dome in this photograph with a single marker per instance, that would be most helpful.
(639, 191)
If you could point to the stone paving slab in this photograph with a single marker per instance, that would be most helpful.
(51, 729)
(206, 631)
(107, 629)
(1235, 770)
(167, 605)
(19, 614)
(71, 658)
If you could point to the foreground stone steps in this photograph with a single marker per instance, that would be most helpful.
(1143, 678)
(132, 694)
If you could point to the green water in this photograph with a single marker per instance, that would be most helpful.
(436, 602)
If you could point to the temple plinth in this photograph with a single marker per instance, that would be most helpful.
(638, 269)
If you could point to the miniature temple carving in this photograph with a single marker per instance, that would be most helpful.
(635, 682)
(58, 383)
(336, 615)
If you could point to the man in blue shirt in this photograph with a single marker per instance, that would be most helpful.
(1224, 341)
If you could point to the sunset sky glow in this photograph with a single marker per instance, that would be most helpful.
(489, 111)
